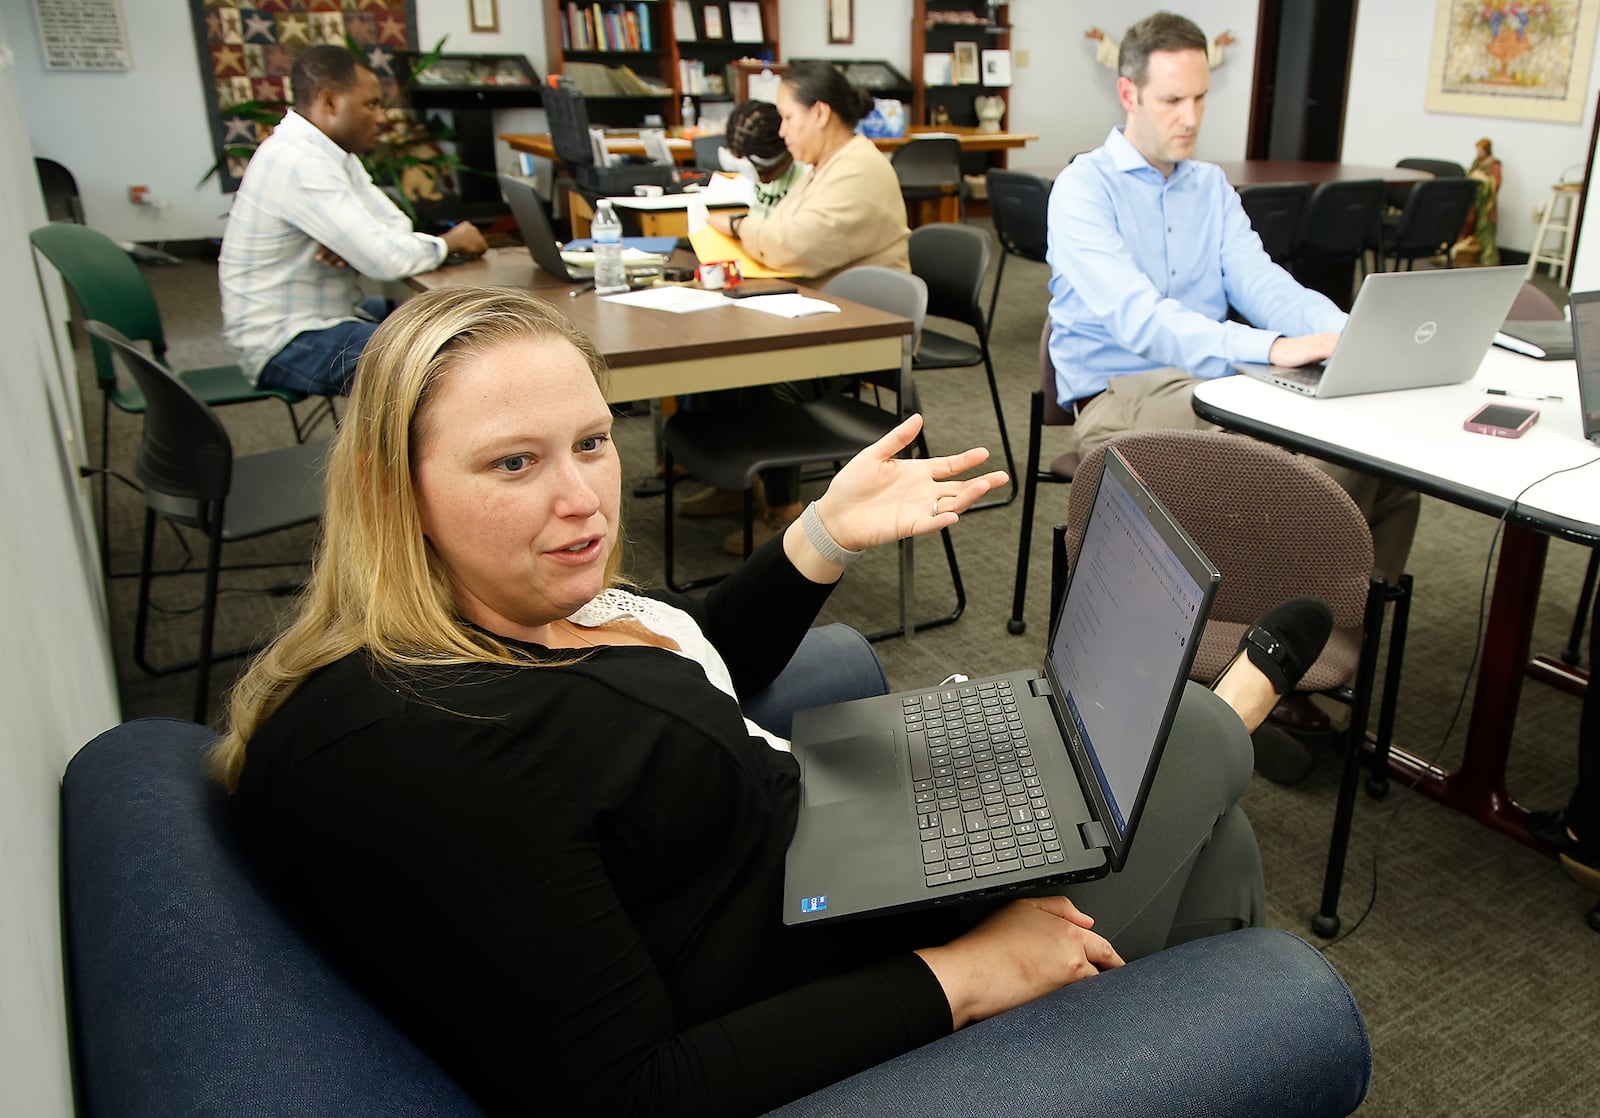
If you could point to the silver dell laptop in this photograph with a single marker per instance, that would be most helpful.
(1407, 330)
(1013, 782)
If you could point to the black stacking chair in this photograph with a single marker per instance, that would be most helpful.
(1043, 412)
(1343, 220)
(1019, 204)
(61, 199)
(929, 170)
(191, 477)
(953, 260)
(1276, 213)
(109, 288)
(1431, 221)
(728, 449)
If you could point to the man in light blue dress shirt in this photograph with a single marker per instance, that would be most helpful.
(1148, 248)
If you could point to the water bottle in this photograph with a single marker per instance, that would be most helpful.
(610, 276)
(686, 111)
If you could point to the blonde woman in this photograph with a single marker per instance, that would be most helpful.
(523, 806)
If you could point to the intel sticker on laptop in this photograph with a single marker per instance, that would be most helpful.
(813, 904)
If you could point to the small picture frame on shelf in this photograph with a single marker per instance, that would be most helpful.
(683, 21)
(713, 20)
(996, 68)
(965, 69)
(936, 69)
(484, 14)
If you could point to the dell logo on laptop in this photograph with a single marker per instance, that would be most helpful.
(1425, 332)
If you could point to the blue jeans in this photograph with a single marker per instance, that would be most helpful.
(323, 362)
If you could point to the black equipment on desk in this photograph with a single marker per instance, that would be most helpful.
(569, 135)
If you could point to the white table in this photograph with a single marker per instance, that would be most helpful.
(1416, 437)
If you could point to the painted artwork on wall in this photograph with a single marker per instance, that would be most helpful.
(1512, 58)
(247, 47)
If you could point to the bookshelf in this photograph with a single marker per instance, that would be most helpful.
(672, 47)
(959, 31)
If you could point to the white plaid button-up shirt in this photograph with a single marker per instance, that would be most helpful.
(302, 191)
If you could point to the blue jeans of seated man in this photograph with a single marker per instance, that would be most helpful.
(323, 362)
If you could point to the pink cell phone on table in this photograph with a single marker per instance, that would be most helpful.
(1501, 420)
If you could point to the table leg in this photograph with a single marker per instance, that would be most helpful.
(1478, 787)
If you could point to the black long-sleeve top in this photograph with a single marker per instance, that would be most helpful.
(564, 881)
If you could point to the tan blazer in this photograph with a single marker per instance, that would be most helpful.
(846, 212)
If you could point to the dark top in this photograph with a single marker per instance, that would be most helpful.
(564, 881)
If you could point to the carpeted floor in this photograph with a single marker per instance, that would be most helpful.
(1475, 970)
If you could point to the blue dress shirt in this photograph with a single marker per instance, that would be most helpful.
(1143, 269)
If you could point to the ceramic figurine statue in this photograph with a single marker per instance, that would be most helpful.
(990, 111)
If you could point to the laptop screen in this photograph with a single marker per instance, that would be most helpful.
(1586, 347)
(1119, 682)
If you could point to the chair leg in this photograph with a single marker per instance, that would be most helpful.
(956, 583)
(1030, 493)
(1005, 436)
(1326, 922)
(141, 613)
(1378, 774)
(1571, 654)
(669, 530)
(208, 622)
(994, 296)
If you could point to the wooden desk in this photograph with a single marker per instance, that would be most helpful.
(1415, 437)
(640, 223)
(656, 353)
(538, 143)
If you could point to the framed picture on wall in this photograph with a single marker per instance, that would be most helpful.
(485, 15)
(965, 69)
(841, 21)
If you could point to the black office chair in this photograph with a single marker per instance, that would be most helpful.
(1341, 223)
(953, 260)
(1043, 412)
(61, 199)
(707, 152)
(1276, 213)
(929, 170)
(728, 449)
(1019, 205)
(191, 477)
(109, 288)
(1432, 220)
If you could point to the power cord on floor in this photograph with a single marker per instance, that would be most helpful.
(1461, 699)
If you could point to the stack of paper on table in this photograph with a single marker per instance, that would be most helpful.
(791, 305)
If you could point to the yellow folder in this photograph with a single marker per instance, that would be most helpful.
(712, 245)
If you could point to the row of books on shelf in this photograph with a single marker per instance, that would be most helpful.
(596, 80)
(607, 27)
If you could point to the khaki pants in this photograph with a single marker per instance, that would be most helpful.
(1162, 399)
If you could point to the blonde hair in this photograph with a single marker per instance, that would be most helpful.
(376, 585)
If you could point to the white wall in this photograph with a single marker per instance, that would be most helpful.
(57, 684)
(148, 126)
(1386, 120)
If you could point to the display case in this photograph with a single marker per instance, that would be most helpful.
(875, 75)
(471, 87)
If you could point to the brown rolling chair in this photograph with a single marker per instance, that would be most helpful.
(1043, 412)
(1276, 527)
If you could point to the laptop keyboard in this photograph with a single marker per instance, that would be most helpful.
(1306, 376)
(981, 809)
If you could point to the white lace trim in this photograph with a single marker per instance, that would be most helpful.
(672, 623)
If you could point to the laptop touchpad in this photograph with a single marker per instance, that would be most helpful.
(849, 768)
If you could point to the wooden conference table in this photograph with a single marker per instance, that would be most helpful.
(1415, 437)
(655, 353)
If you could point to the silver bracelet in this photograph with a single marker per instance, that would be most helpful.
(827, 547)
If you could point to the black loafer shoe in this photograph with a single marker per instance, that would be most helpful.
(1288, 639)
(1549, 829)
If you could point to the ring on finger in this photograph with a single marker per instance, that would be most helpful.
(935, 511)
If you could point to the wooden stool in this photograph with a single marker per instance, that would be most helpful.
(1559, 213)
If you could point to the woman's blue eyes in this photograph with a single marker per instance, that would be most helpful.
(516, 463)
